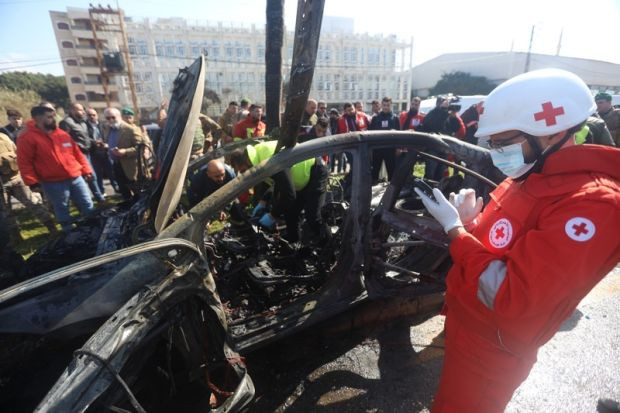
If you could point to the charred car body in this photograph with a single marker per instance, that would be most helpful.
(182, 314)
(163, 324)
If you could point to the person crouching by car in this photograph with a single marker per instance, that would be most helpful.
(301, 187)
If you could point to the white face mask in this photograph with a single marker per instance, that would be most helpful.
(510, 160)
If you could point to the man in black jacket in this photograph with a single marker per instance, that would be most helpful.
(76, 126)
(437, 121)
(14, 127)
(384, 120)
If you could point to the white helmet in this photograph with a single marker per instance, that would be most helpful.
(539, 103)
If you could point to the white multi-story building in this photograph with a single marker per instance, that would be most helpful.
(349, 66)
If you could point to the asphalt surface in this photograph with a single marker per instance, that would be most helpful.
(396, 367)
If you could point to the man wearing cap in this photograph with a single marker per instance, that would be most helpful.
(14, 127)
(127, 114)
(548, 235)
(301, 187)
(49, 160)
(609, 114)
(13, 185)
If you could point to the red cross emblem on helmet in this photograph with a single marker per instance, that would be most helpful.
(549, 113)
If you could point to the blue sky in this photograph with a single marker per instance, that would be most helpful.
(436, 26)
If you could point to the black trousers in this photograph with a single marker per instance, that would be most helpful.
(378, 156)
(126, 187)
(310, 200)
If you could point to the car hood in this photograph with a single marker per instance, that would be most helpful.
(175, 145)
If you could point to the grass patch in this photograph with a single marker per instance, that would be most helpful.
(33, 232)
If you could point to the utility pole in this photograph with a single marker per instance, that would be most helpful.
(107, 19)
(273, 62)
(529, 52)
(125, 50)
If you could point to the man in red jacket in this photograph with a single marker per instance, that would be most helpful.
(252, 126)
(547, 237)
(50, 160)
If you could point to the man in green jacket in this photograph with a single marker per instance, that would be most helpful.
(301, 187)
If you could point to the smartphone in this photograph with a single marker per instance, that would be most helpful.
(425, 188)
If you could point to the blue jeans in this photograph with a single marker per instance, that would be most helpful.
(93, 184)
(59, 194)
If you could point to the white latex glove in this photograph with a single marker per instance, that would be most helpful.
(442, 210)
(466, 204)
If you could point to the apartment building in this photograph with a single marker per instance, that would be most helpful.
(349, 66)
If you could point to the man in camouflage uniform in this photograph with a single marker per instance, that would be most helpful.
(610, 115)
(14, 186)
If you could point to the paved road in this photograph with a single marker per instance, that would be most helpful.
(396, 368)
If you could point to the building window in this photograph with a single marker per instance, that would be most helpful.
(80, 97)
(62, 26)
(76, 80)
(132, 50)
(159, 49)
(72, 62)
(67, 45)
(142, 48)
(180, 50)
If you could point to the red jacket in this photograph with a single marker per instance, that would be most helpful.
(49, 157)
(248, 128)
(413, 123)
(361, 123)
(556, 236)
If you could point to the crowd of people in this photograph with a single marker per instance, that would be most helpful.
(521, 265)
(48, 162)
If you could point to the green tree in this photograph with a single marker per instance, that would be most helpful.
(49, 87)
(462, 83)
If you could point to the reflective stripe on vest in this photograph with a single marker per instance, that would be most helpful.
(300, 172)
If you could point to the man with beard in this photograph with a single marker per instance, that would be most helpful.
(384, 120)
(252, 126)
(123, 141)
(413, 118)
(49, 160)
(76, 126)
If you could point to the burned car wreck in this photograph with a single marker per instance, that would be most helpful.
(156, 312)
(146, 327)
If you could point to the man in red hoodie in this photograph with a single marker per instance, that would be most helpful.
(546, 238)
(50, 161)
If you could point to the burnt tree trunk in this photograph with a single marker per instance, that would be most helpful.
(307, 33)
(273, 62)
